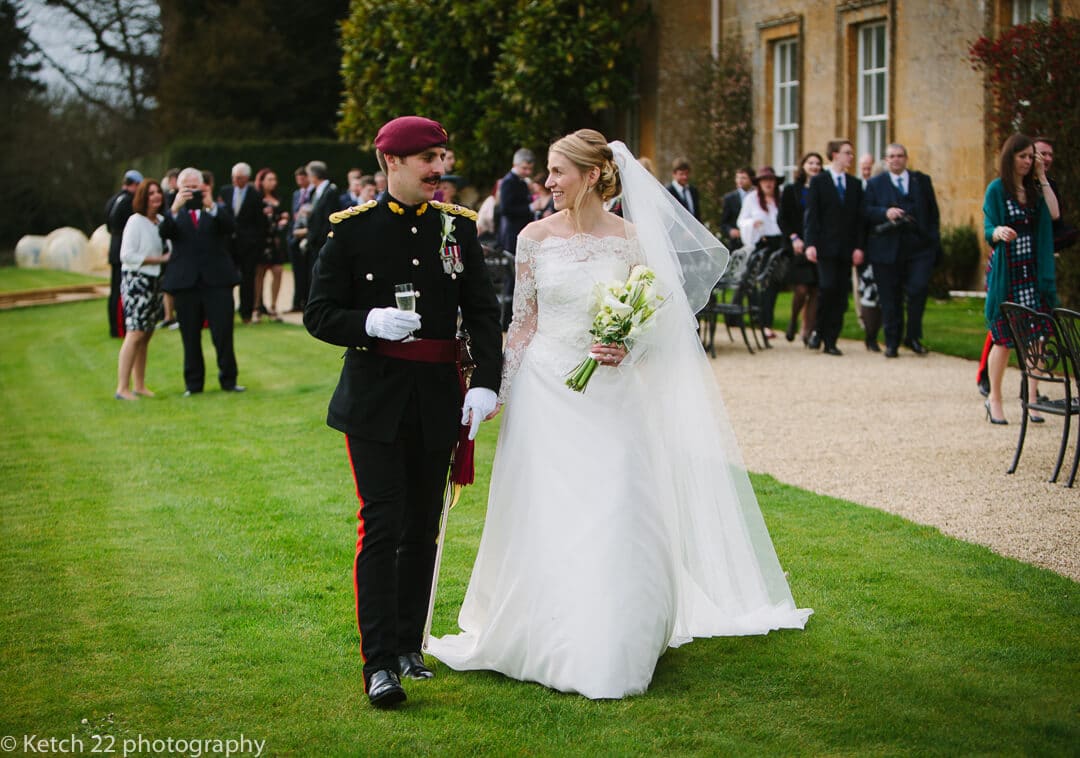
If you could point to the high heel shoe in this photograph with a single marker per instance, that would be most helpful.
(789, 335)
(990, 418)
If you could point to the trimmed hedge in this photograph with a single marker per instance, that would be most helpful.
(958, 268)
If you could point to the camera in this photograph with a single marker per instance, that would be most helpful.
(904, 223)
(194, 202)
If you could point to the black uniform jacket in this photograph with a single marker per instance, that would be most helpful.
(371, 248)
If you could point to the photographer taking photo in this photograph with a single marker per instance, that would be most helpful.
(201, 277)
(900, 207)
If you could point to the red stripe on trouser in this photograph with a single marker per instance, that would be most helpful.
(984, 359)
(359, 546)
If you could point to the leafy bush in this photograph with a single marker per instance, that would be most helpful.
(958, 268)
(502, 75)
(719, 117)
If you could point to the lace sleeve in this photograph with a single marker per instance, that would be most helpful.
(523, 325)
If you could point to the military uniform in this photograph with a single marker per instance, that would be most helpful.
(401, 417)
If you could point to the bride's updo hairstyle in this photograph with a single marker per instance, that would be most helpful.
(588, 149)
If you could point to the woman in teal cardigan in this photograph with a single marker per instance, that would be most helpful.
(1017, 213)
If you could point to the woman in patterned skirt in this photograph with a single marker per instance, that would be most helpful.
(142, 252)
(1017, 213)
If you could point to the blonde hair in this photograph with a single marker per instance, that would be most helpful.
(588, 149)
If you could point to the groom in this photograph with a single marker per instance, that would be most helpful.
(398, 402)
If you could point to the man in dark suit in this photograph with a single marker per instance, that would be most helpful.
(249, 234)
(352, 196)
(680, 187)
(729, 219)
(117, 211)
(901, 212)
(515, 211)
(400, 403)
(201, 277)
(324, 202)
(835, 236)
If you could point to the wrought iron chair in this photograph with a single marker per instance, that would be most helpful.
(1069, 323)
(500, 268)
(730, 299)
(1041, 354)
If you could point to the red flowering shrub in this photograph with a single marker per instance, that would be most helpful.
(1031, 72)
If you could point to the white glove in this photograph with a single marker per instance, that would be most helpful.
(391, 323)
(479, 404)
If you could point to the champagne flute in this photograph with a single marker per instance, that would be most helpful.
(405, 296)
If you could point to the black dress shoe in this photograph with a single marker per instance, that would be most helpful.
(413, 667)
(832, 350)
(891, 352)
(384, 689)
(872, 346)
(235, 388)
(189, 393)
(814, 342)
(916, 347)
(789, 334)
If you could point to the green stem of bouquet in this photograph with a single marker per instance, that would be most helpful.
(581, 375)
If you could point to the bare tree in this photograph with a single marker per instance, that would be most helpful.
(117, 57)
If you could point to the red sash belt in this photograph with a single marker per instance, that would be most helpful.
(462, 470)
(422, 351)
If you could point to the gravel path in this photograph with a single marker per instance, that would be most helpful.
(907, 436)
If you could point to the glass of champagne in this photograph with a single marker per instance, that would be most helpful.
(405, 296)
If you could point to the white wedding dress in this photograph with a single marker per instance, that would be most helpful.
(613, 530)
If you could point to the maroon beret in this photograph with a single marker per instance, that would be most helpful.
(408, 135)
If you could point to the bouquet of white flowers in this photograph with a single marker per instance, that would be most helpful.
(621, 311)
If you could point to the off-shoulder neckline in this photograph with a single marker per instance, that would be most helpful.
(576, 235)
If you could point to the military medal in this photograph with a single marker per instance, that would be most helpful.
(455, 254)
(447, 261)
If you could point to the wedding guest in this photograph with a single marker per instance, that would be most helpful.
(142, 253)
(682, 190)
(169, 187)
(835, 237)
(732, 206)
(297, 251)
(351, 197)
(901, 211)
(272, 256)
(1018, 214)
(759, 228)
(543, 205)
(201, 277)
(802, 274)
(247, 239)
(117, 211)
(380, 185)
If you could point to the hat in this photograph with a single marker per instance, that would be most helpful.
(408, 135)
(132, 176)
(765, 172)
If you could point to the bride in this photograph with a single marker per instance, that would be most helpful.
(620, 520)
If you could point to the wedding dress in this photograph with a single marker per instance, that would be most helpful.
(619, 523)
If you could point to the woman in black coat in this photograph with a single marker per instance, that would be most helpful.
(802, 274)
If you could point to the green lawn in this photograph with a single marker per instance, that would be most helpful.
(14, 279)
(181, 568)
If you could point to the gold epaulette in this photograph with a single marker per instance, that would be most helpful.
(356, 210)
(457, 210)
